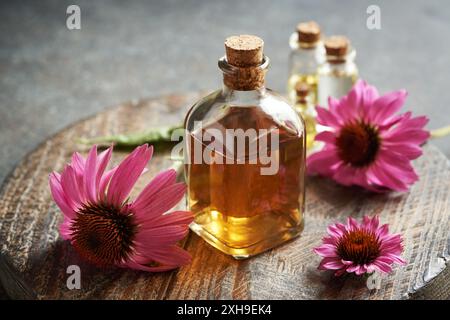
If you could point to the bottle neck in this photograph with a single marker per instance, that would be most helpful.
(243, 95)
(242, 79)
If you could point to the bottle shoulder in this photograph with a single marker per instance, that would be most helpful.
(244, 107)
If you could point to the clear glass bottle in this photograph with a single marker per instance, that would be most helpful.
(339, 72)
(238, 208)
(307, 111)
(307, 53)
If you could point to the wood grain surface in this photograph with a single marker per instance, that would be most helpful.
(34, 259)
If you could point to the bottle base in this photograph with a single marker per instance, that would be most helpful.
(240, 253)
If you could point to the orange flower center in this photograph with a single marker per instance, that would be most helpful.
(103, 234)
(358, 144)
(360, 246)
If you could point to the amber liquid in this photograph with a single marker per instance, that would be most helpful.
(237, 209)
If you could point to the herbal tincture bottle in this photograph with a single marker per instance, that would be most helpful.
(339, 72)
(306, 109)
(245, 158)
(307, 53)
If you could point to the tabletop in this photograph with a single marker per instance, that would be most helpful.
(53, 76)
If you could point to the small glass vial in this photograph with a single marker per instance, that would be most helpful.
(245, 158)
(338, 74)
(307, 53)
(306, 109)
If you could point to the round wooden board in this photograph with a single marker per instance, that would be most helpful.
(34, 259)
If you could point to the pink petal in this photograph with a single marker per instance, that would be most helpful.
(127, 173)
(172, 218)
(104, 182)
(361, 270)
(71, 188)
(64, 229)
(160, 236)
(162, 180)
(59, 196)
(347, 175)
(409, 150)
(388, 104)
(165, 200)
(90, 174)
(354, 101)
(330, 264)
(335, 231)
(326, 136)
(413, 136)
(103, 160)
(352, 224)
(326, 250)
(78, 163)
(378, 176)
(323, 162)
(382, 266)
(326, 118)
(382, 231)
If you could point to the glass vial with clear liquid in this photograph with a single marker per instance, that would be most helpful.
(245, 158)
(338, 73)
(307, 53)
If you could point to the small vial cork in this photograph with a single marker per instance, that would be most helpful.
(308, 32)
(245, 53)
(302, 89)
(336, 46)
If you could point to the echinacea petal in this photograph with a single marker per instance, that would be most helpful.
(330, 264)
(173, 218)
(159, 182)
(59, 196)
(382, 266)
(165, 200)
(90, 175)
(378, 176)
(388, 104)
(64, 229)
(127, 173)
(69, 184)
(326, 250)
(103, 160)
(323, 162)
(78, 162)
(326, 118)
(335, 231)
(156, 237)
(326, 136)
(104, 182)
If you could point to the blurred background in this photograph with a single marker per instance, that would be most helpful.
(51, 76)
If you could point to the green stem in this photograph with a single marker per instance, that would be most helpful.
(440, 133)
(156, 135)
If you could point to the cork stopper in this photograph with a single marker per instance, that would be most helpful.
(308, 32)
(244, 50)
(245, 54)
(336, 46)
(302, 89)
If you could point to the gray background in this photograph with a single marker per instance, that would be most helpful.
(51, 76)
